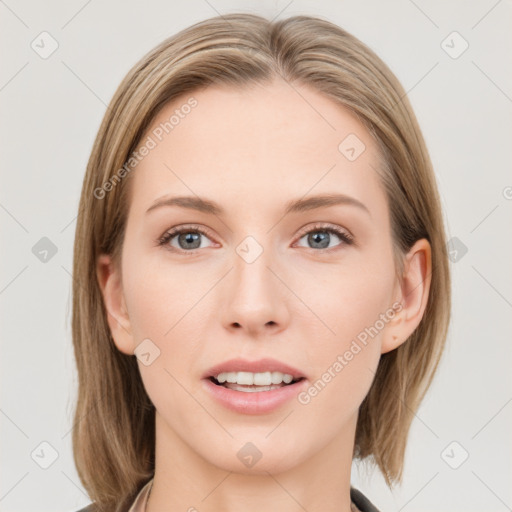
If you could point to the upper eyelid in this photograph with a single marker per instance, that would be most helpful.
(189, 227)
(323, 225)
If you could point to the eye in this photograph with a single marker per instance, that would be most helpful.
(320, 236)
(188, 238)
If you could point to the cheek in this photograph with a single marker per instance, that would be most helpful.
(164, 305)
(346, 300)
(158, 312)
(344, 356)
(360, 304)
(159, 295)
(347, 328)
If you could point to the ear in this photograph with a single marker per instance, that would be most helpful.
(412, 292)
(109, 279)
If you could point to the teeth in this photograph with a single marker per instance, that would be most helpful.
(256, 379)
(252, 389)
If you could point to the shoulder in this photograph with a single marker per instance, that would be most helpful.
(361, 501)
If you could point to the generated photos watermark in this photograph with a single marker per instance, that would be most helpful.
(342, 360)
(151, 142)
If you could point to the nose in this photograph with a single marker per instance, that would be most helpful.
(256, 298)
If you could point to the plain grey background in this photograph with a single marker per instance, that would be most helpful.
(453, 59)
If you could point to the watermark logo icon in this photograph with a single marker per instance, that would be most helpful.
(44, 45)
(454, 45)
(44, 250)
(456, 249)
(454, 455)
(249, 454)
(147, 351)
(351, 147)
(249, 249)
(44, 455)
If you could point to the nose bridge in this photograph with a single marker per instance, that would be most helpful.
(251, 265)
(255, 298)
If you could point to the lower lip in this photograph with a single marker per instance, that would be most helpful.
(257, 402)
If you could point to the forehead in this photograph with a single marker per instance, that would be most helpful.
(265, 142)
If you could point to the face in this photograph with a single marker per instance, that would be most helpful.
(253, 280)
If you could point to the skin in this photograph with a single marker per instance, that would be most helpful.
(252, 150)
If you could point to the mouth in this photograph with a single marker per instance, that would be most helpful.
(242, 396)
(252, 388)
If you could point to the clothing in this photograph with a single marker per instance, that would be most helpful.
(139, 504)
(360, 503)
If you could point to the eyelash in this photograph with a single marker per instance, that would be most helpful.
(346, 238)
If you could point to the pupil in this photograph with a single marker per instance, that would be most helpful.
(190, 238)
(321, 237)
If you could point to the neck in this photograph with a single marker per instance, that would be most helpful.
(313, 477)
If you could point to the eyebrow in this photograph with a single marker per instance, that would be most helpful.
(295, 206)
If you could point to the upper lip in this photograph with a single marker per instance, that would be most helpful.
(260, 366)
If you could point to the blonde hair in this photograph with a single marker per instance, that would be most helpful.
(113, 435)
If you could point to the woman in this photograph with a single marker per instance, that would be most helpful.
(262, 289)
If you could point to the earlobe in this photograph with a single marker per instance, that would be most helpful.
(413, 293)
(109, 280)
